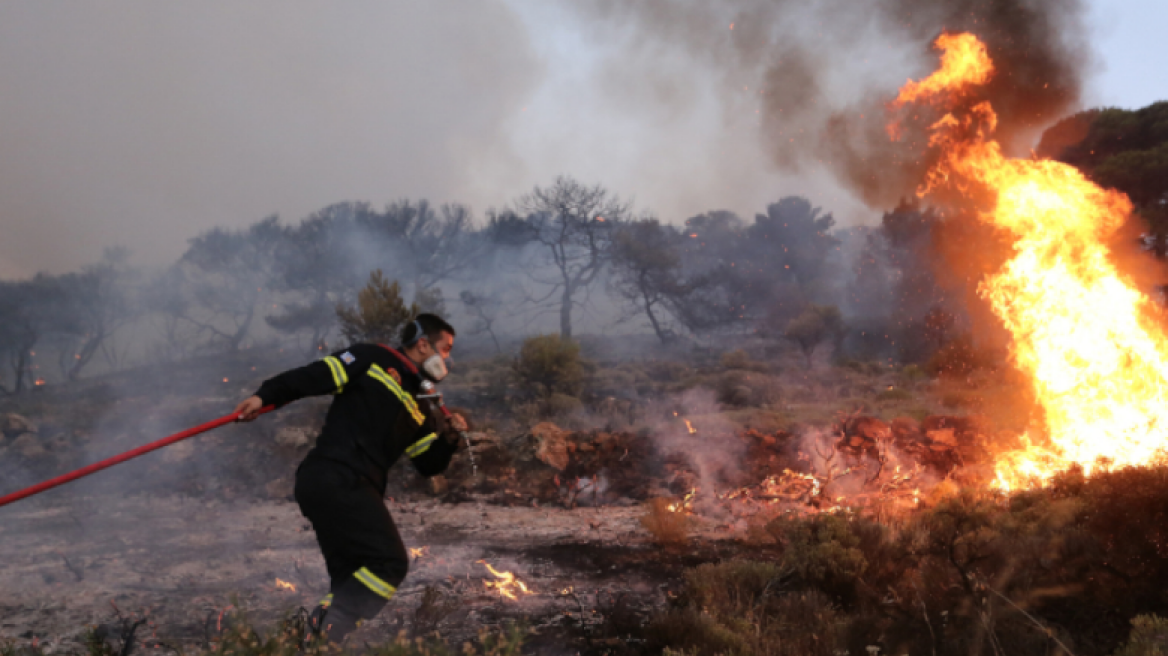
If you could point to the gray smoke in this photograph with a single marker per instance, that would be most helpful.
(819, 74)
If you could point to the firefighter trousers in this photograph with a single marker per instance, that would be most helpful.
(363, 552)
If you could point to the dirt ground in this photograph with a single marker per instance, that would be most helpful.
(69, 564)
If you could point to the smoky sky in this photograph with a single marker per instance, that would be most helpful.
(141, 124)
(820, 73)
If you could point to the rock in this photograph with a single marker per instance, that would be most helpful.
(552, 446)
(29, 446)
(13, 425)
(293, 437)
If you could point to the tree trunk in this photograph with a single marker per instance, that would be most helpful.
(566, 313)
(243, 329)
(653, 319)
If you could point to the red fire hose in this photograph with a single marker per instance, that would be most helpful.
(121, 457)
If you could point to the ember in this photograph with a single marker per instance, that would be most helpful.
(507, 585)
(284, 585)
(420, 552)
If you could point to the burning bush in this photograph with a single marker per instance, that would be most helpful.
(668, 524)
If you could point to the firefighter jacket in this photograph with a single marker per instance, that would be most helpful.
(374, 417)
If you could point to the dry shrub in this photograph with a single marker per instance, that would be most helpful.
(741, 607)
(747, 389)
(1149, 637)
(667, 527)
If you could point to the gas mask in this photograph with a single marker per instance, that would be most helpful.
(435, 368)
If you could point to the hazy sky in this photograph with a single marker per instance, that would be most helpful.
(140, 123)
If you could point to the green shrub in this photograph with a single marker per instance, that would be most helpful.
(822, 549)
(379, 314)
(549, 364)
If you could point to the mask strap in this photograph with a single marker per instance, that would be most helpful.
(417, 334)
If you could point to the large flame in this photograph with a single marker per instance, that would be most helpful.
(1081, 332)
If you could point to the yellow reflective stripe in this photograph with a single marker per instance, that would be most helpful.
(421, 446)
(338, 369)
(327, 601)
(373, 583)
(408, 401)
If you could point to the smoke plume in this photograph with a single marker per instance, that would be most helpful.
(819, 74)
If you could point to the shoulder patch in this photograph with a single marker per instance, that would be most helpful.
(394, 374)
(348, 358)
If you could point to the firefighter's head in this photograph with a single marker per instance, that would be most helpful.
(427, 342)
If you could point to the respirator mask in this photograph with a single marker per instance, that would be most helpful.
(434, 367)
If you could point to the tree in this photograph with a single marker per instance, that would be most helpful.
(94, 305)
(379, 314)
(572, 225)
(646, 260)
(813, 326)
(484, 308)
(317, 264)
(226, 274)
(28, 310)
(427, 246)
(1122, 149)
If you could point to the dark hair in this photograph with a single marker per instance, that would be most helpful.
(430, 326)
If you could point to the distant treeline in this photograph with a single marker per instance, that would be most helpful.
(562, 256)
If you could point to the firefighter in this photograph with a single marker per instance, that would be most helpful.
(374, 418)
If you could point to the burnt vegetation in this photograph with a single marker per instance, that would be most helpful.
(733, 379)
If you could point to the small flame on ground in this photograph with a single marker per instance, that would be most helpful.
(420, 552)
(686, 503)
(284, 585)
(39, 382)
(506, 585)
(689, 427)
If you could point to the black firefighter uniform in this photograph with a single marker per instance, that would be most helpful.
(340, 486)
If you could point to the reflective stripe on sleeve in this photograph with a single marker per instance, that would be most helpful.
(327, 601)
(421, 446)
(408, 401)
(373, 583)
(338, 369)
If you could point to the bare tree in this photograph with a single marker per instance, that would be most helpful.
(484, 308)
(572, 224)
(647, 261)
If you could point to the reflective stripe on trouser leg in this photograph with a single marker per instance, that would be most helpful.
(353, 603)
(374, 583)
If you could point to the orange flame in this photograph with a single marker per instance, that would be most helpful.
(506, 585)
(964, 64)
(689, 427)
(284, 585)
(420, 552)
(1080, 331)
(686, 503)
